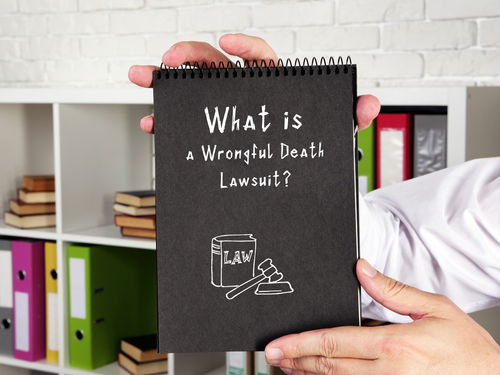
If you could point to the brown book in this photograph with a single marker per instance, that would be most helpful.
(39, 183)
(138, 232)
(142, 368)
(142, 348)
(134, 211)
(138, 198)
(143, 222)
(30, 197)
(22, 209)
(31, 221)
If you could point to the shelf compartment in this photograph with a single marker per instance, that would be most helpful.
(26, 147)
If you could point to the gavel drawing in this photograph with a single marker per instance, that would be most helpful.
(268, 271)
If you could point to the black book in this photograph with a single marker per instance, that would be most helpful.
(256, 188)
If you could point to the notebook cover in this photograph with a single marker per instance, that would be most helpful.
(254, 172)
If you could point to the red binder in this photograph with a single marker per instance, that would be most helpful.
(28, 266)
(393, 148)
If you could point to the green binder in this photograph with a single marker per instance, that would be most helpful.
(367, 159)
(112, 295)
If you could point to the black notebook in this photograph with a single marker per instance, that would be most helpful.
(256, 199)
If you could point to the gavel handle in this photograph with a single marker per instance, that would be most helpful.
(245, 286)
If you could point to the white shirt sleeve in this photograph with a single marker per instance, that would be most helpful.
(439, 233)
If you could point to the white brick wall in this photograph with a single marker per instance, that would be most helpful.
(80, 43)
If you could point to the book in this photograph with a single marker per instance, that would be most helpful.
(142, 348)
(141, 222)
(138, 232)
(27, 196)
(6, 298)
(112, 295)
(429, 144)
(39, 183)
(144, 368)
(22, 209)
(133, 210)
(266, 159)
(138, 198)
(28, 267)
(394, 148)
(51, 303)
(31, 221)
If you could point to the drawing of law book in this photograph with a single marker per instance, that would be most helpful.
(233, 259)
(6, 300)
(429, 148)
(52, 342)
(112, 295)
(28, 265)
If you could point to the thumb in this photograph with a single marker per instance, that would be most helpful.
(396, 296)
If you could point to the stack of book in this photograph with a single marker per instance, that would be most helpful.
(35, 204)
(136, 213)
(139, 356)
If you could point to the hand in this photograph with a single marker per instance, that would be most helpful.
(240, 45)
(442, 339)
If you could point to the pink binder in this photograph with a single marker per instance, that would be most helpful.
(28, 264)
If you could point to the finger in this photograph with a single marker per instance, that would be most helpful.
(328, 366)
(367, 108)
(147, 124)
(396, 296)
(340, 342)
(142, 75)
(248, 47)
(193, 52)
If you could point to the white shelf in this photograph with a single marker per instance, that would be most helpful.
(38, 365)
(41, 233)
(108, 235)
(91, 141)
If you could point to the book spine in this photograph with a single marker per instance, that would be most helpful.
(79, 307)
(216, 262)
(51, 302)
(28, 265)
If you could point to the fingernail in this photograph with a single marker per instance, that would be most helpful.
(274, 356)
(287, 371)
(172, 48)
(368, 270)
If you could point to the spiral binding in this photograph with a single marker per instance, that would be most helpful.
(255, 69)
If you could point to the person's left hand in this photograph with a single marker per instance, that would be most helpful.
(442, 339)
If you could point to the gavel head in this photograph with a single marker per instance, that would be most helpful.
(265, 265)
(268, 268)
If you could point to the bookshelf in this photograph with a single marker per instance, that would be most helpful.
(90, 140)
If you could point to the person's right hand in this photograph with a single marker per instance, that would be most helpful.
(240, 45)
